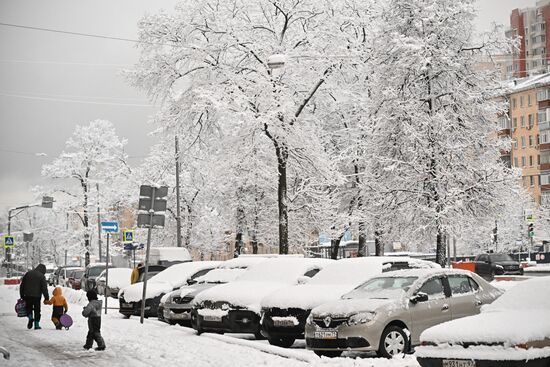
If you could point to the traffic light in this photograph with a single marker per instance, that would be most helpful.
(530, 230)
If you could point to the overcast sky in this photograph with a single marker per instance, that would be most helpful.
(41, 72)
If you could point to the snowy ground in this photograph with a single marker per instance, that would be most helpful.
(152, 344)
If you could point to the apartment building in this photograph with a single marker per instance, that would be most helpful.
(528, 125)
(532, 26)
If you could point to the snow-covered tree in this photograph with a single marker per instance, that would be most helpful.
(94, 155)
(432, 141)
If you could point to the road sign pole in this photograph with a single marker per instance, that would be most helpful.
(151, 213)
(106, 272)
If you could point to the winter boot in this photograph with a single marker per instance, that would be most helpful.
(37, 325)
(29, 324)
(101, 347)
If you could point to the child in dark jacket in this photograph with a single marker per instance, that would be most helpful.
(59, 306)
(93, 312)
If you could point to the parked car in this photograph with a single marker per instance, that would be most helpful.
(285, 311)
(512, 331)
(61, 275)
(118, 278)
(175, 307)
(489, 265)
(388, 313)
(49, 273)
(74, 277)
(235, 307)
(91, 272)
(166, 281)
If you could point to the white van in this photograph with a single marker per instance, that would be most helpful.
(168, 255)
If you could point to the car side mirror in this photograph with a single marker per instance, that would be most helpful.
(191, 281)
(419, 297)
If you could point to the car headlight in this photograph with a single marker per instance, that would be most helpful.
(309, 319)
(361, 318)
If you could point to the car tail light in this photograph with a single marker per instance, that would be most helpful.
(521, 346)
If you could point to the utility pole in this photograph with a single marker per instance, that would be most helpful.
(178, 215)
(98, 222)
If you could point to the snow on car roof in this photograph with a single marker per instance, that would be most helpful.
(352, 270)
(242, 262)
(423, 272)
(529, 294)
(282, 269)
(179, 273)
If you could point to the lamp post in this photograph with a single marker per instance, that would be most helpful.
(47, 202)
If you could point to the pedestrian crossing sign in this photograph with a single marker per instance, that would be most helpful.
(9, 241)
(128, 236)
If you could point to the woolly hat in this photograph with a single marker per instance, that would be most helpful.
(91, 294)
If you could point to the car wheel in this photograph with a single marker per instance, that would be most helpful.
(258, 335)
(393, 342)
(284, 342)
(329, 353)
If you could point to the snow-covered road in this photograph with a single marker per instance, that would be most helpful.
(152, 344)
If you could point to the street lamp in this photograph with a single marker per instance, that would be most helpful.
(47, 202)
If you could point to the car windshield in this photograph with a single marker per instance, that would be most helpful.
(501, 257)
(77, 274)
(382, 287)
(219, 276)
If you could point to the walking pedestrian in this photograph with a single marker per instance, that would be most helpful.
(60, 306)
(33, 286)
(93, 312)
(136, 272)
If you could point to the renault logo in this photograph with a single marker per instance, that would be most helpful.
(327, 320)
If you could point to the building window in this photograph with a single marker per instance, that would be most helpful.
(529, 101)
(530, 120)
(522, 119)
(521, 101)
(514, 104)
(523, 161)
(538, 159)
(530, 140)
(515, 161)
(515, 122)
(545, 179)
(515, 144)
(530, 161)
(532, 180)
(523, 141)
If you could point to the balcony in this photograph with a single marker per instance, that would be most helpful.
(544, 146)
(545, 166)
(544, 125)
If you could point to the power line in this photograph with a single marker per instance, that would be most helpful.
(63, 63)
(74, 100)
(71, 33)
(49, 95)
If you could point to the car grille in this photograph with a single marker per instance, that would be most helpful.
(354, 342)
(284, 312)
(333, 322)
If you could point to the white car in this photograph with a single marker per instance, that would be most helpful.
(235, 307)
(166, 281)
(512, 331)
(175, 307)
(285, 311)
(118, 278)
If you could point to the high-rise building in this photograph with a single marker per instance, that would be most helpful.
(532, 26)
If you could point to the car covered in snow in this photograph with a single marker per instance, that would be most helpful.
(166, 281)
(285, 311)
(91, 272)
(74, 278)
(235, 307)
(387, 313)
(512, 331)
(118, 278)
(175, 307)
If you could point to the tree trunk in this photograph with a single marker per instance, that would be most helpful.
(378, 244)
(188, 226)
(238, 244)
(362, 249)
(335, 247)
(85, 221)
(440, 249)
(282, 157)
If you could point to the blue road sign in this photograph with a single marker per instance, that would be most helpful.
(127, 236)
(110, 227)
(9, 241)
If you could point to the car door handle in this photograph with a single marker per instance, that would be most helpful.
(445, 308)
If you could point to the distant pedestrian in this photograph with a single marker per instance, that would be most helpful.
(33, 286)
(93, 312)
(60, 307)
(136, 272)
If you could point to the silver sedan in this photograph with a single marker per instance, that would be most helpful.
(388, 313)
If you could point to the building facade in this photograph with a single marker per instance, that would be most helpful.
(532, 26)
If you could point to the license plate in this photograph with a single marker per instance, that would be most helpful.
(327, 334)
(283, 323)
(458, 363)
(212, 318)
(127, 305)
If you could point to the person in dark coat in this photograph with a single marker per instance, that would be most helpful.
(93, 312)
(33, 286)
